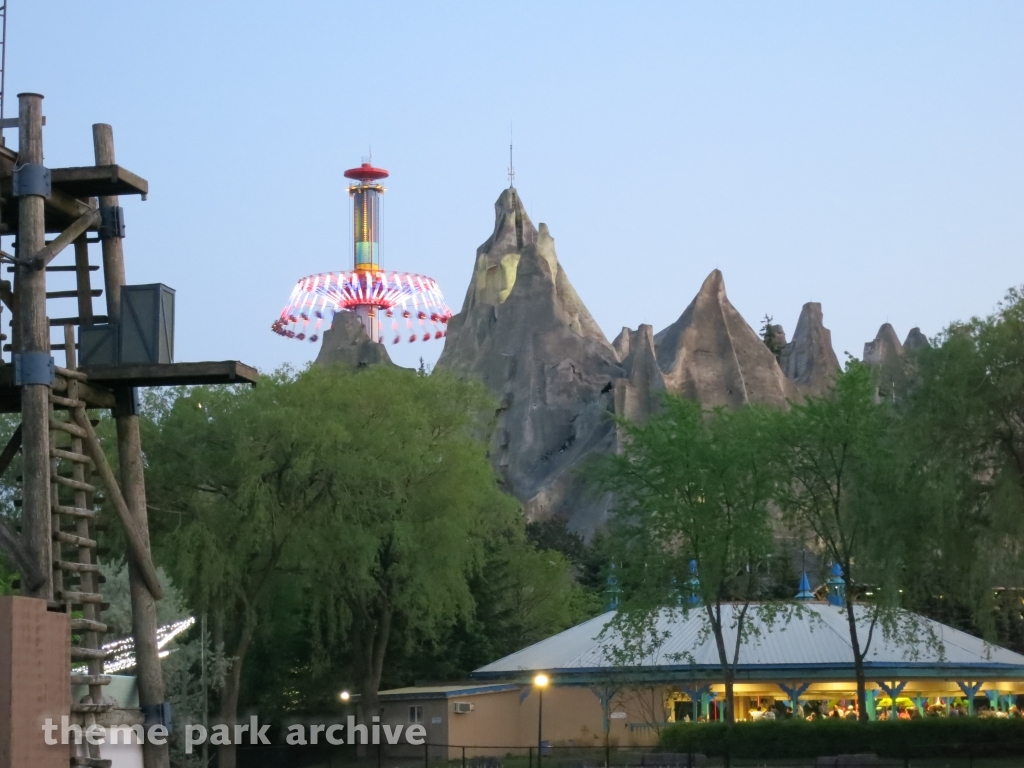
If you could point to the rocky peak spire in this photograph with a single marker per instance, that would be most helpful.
(711, 355)
(497, 260)
(885, 348)
(915, 341)
(524, 332)
(809, 359)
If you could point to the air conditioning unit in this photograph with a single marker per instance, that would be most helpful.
(462, 707)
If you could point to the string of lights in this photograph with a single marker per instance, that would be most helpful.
(121, 653)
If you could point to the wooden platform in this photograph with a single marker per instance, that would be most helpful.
(71, 186)
(98, 180)
(173, 374)
(98, 392)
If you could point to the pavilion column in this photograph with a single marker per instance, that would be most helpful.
(921, 702)
(794, 691)
(993, 699)
(970, 691)
(893, 691)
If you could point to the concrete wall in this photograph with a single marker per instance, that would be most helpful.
(494, 722)
(500, 721)
(35, 682)
(435, 720)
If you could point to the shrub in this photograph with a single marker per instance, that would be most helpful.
(927, 737)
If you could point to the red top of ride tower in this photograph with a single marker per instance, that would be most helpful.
(366, 172)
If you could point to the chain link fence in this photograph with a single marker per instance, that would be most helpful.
(459, 756)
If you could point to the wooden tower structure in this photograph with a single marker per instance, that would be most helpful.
(56, 214)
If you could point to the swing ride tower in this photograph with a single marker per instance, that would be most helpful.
(366, 200)
(376, 296)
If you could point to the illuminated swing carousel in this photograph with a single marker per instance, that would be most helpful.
(412, 305)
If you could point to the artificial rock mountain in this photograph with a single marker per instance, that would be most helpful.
(524, 332)
(346, 342)
(886, 348)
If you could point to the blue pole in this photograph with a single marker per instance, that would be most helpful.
(993, 699)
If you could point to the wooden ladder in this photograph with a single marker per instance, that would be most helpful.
(76, 572)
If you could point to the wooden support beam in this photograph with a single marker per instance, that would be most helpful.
(56, 322)
(74, 511)
(174, 374)
(129, 451)
(66, 204)
(70, 294)
(76, 567)
(136, 545)
(67, 268)
(94, 396)
(14, 548)
(33, 337)
(79, 541)
(83, 285)
(64, 239)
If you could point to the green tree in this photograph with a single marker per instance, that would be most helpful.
(118, 617)
(525, 594)
(421, 500)
(366, 495)
(245, 479)
(849, 489)
(183, 666)
(7, 577)
(692, 486)
(963, 415)
(968, 394)
(521, 595)
(771, 336)
(12, 551)
(587, 558)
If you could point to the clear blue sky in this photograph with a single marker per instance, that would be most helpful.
(864, 155)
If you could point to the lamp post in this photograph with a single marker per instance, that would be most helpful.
(344, 696)
(541, 682)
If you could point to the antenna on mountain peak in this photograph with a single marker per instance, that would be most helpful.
(511, 167)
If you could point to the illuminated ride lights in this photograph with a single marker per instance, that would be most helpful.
(121, 653)
(400, 296)
(371, 293)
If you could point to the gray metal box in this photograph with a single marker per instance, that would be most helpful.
(147, 324)
(97, 344)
